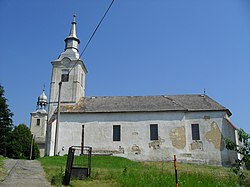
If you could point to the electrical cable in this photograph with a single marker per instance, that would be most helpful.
(93, 34)
(98, 25)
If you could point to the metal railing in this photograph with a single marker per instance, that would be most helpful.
(78, 163)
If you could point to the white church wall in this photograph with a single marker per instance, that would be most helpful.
(229, 131)
(174, 135)
(50, 138)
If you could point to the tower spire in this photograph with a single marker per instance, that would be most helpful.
(71, 42)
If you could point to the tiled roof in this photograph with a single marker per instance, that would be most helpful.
(111, 104)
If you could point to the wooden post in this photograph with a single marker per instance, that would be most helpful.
(70, 159)
(31, 147)
(82, 143)
(175, 169)
(89, 161)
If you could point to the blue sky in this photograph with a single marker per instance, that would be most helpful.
(143, 47)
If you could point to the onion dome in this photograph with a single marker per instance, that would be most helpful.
(42, 97)
(42, 101)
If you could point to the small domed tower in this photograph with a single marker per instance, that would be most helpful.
(38, 122)
(42, 101)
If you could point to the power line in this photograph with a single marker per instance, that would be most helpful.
(93, 34)
(98, 25)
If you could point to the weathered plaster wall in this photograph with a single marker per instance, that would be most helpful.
(174, 130)
(178, 137)
(208, 148)
(215, 136)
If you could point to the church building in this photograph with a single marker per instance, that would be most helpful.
(142, 128)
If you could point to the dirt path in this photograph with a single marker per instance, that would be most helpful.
(24, 173)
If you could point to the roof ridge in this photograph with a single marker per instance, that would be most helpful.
(93, 96)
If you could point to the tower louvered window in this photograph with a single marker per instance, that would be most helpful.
(65, 76)
(38, 122)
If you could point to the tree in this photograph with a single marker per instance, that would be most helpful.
(243, 149)
(6, 124)
(36, 151)
(20, 145)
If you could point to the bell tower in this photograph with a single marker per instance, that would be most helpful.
(69, 69)
(38, 122)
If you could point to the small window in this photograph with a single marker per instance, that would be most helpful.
(116, 133)
(195, 132)
(37, 122)
(153, 132)
(65, 76)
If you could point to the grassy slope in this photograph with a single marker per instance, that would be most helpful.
(116, 171)
(2, 170)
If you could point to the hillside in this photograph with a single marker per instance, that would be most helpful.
(116, 171)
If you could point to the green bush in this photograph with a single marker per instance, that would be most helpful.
(20, 143)
(244, 150)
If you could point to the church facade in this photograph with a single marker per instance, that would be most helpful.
(142, 128)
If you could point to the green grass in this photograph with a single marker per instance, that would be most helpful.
(2, 170)
(116, 171)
